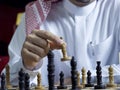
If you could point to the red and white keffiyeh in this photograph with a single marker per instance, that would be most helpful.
(36, 13)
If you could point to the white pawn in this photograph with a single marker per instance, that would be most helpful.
(111, 78)
(39, 86)
(78, 81)
(83, 76)
(64, 52)
(8, 85)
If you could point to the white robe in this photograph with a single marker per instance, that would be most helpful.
(91, 33)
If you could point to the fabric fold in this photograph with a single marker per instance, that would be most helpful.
(36, 14)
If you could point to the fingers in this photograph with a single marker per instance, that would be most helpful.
(35, 49)
(30, 55)
(37, 45)
(48, 35)
(30, 60)
(32, 38)
(54, 45)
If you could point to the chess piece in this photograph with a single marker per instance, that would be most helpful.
(111, 78)
(64, 52)
(99, 77)
(89, 84)
(27, 77)
(3, 87)
(83, 76)
(39, 86)
(51, 69)
(21, 79)
(79, 86)
(8, 77)
(62, 86)
(74, 74)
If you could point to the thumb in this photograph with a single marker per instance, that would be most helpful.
(56, 45)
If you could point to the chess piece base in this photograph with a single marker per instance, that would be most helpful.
(39, 88)
(9, 86)
(89, 85)
(61, 87)
(80, 86)
(83, 85)
(111, 85)
(66, 58)
(100, 87)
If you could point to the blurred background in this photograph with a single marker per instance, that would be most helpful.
(9, 12)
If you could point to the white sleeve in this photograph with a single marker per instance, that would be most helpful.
(118, 22)
(14, 51)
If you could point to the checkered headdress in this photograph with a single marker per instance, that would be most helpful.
(36, 13)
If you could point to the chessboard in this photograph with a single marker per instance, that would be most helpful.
(86, 84)
(68, 88)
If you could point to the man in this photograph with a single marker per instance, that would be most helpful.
(90, 29)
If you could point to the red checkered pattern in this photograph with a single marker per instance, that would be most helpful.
(36, 13)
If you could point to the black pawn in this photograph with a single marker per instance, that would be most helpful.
(3, 82)
(62, 86)
(51, 69)
(27, 81)
(74, 74)
(21, 79)
(89, 84)
(99, 77)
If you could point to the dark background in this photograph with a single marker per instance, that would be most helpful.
(15, 3)
(8, 13)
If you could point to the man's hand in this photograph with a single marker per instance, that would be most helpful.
(37, 45)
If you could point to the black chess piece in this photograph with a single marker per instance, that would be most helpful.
(27, 81)
(3, 87)
(51, 69)
(21, 79)
(62, 86)
(89, 84)
(99, 77)
(74, 74)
